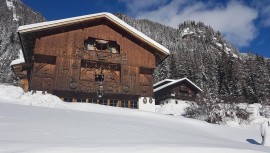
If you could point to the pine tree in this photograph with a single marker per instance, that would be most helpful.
(173, 68)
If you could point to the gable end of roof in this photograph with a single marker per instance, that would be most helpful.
(63, 22)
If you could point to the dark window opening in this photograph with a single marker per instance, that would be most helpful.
(99, 77)
(145, 70)
(113, 103)
(45, 59)
(68, 99)
(133, 104)
(103, 102)
(94, 101)
(125, 103)
(81, 100)
(89, 44)
(101, 45)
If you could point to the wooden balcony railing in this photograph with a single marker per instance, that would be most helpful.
(104, 56)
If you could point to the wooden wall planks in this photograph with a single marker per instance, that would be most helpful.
(67, 73)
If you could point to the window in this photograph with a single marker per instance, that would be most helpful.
(68, 99)
(125, 103)
(133, 104)
(90, 44)
(94, 101)
(103, 102)
(101, 45)
(99, 77)
(113, 103)
(81, 100)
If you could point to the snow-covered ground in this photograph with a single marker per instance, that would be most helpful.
(78, 127)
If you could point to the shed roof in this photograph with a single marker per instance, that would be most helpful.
(63, 22)
(172, 82)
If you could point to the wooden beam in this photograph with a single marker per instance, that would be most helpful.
(119, 103)
(129, 104)
(108, 102)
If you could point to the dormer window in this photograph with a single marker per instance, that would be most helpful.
(101, 45)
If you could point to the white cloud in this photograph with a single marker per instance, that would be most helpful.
(264, 8)
(234, 19)
(266, 13)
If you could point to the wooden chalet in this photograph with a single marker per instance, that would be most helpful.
(96, 58)
(175, 91)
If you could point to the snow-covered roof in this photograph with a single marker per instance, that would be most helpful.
(162, 81)
(109, 16)
(19, 60)
(172, 82)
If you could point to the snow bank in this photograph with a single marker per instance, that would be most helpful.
(43, 100)
(16, 95)
(103, 129)
(173, 109)
(12, 94)
(97, 128)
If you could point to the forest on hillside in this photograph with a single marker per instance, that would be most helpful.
(226, 76)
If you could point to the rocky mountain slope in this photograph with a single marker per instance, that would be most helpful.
(13, 14)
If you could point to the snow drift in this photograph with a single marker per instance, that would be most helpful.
(97, 128)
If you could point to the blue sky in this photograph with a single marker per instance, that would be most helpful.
(245, 23)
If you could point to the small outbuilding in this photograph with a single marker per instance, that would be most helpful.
(174, 91)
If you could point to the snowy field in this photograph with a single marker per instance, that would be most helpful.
(56, 126)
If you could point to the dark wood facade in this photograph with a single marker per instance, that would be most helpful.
(67, 60)
(180, 90)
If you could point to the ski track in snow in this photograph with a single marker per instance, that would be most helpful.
(80, 127)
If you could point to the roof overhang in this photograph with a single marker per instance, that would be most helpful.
(173, 82)
(160, 82)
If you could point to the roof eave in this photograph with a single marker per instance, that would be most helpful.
(174, 82)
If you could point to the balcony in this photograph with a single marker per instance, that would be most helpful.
(182, 96)
(101, 56)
